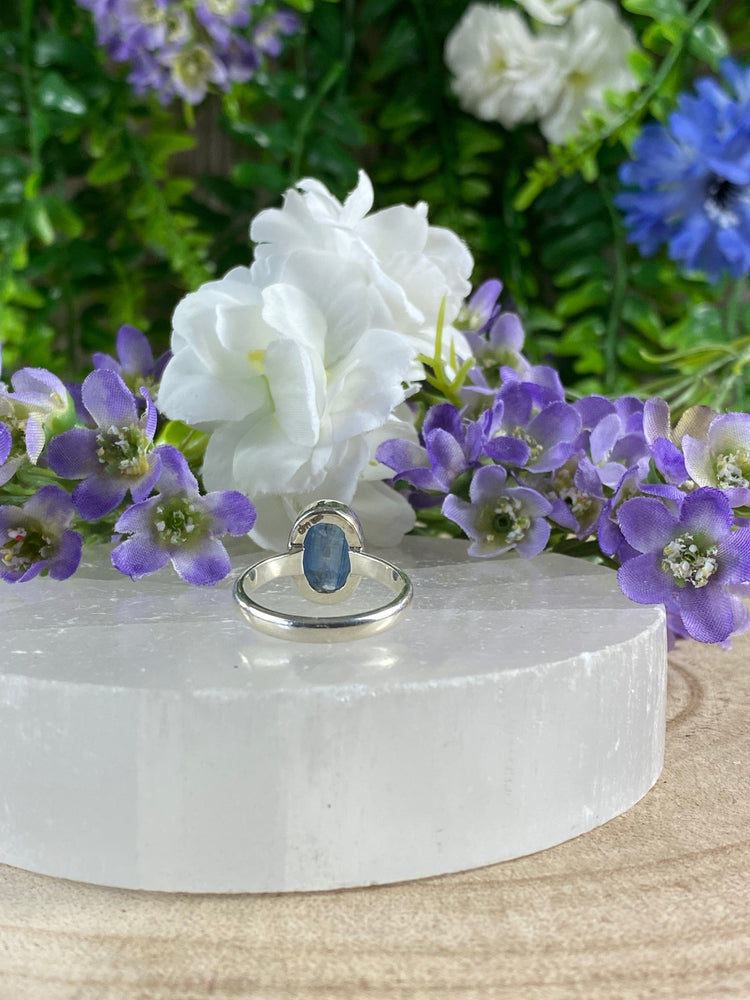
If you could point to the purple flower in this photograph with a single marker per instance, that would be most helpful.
(9, 462)
(451, 447)
(135, 360)
(500, 517)
(114, 458)
(36, 538)
(688, 561)
(478, 313)
(38, 400)
(665, 443)
(613, 436)
(723, 458)
(181, 526)
(575, 492)
(521, 430)
(179, 50)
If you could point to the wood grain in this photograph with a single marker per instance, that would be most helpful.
(655, 904)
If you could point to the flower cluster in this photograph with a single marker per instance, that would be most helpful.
(102, 435)
(518, 468)
(178, 48)
(298, 366)
(691, 179)
(505, 72)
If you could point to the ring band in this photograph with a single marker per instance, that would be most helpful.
(326, 560)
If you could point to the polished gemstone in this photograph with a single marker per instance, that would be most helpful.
(325, 559)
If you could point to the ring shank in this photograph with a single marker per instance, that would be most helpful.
(322, 628)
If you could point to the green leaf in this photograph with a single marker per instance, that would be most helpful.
(55, 49)
(595, 292)
(112, 167)
(709, 43)
(398, 50)
(658, 10)
(56, 94)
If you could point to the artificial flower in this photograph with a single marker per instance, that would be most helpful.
(411, 267)
(501, 515)
(289, 380)
(38, 401)
(180, 526)
(691, 180)
(722, 458)
(688, 561)
(501, 71)
(135, 362)
(36, 538)
(592, 58)
(452, 446)
(521, 432)
(549, 11)
(178, 49)
(115, 457)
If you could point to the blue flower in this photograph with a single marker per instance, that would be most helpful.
(181, 526)
(692, 180)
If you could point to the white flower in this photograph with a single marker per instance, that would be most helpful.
(502, 72)
(409, 265)
(549, 11)
(596, 43)
(290, 379)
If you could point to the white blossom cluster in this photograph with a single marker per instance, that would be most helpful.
(506, 72)
(299, 365)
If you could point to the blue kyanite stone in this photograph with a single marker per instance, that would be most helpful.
(325, 558)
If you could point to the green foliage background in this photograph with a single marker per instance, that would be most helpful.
(104, 218)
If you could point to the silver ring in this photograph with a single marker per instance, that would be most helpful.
(326, 560)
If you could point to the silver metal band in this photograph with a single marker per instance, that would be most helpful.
(309, 628)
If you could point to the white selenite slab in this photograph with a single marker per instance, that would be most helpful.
(149, 738)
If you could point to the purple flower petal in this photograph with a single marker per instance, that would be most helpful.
(643, 580)
(593, 409)
(488, 483)
(203, 564)
(646, 523)
(535, 539)
(507, 333)
(446, 456)
(443, 416)
(508, 450)
(231, 511)
(67, 557)
(138, 556)
(734, 562)
(51, 505)
(707, 613)
(108, 399)
(98, 495)
(137, 517)
(72, 455)
(35, 438)
(176, 476)
(460, 512)
(6, 443)
(134, 350)
(707, 511)
(534, 504)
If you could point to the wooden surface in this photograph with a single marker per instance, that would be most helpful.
(656, 904)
